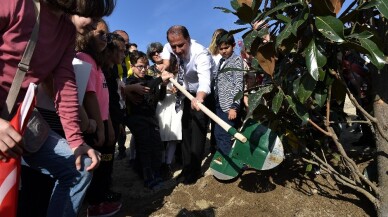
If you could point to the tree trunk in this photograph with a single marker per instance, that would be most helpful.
(380, 79)
(381, 113)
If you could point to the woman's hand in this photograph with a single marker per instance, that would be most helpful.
(10, 141)
(85, 149)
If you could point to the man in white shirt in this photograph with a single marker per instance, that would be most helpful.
(197, 67)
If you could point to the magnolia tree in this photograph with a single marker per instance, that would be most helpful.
(304, 59)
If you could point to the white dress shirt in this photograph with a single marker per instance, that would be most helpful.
(198, 67)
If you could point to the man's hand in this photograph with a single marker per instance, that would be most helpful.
(198, 99)
(194, 103)
(84, 149)
(10, 141)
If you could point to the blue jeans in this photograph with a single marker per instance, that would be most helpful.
(223, 138)
(56, 159)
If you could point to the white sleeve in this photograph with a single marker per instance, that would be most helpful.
(166, 52)
(204, 70)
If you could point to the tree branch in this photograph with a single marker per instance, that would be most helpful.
(341, 178)
(319, 128)
(355, 169)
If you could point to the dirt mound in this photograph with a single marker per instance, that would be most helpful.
(283, 191)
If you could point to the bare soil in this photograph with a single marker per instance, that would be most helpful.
(283, 191)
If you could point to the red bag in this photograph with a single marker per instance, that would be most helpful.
(10, 170)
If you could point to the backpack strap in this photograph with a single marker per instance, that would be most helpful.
(23, 66)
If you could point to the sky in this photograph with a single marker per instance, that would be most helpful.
(147, 21)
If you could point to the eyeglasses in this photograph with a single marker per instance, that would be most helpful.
(142, 67)
(155, 52)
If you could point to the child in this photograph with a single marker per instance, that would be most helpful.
(227, 85)
(96, 103)
(114, 54)
(142, 120)
(170, 122)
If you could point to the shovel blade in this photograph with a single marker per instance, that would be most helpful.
(262, 151)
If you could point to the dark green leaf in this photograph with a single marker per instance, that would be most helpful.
(255, 63)
(295, 86)
(320, 97)
(364, 34)
(368, 5)
(235, 5)
(283, 18)
(321, 59)
(298, 109)
(245, 13)
(296, 25)
(277, 101)
(255, 5)
(331, 27)
(250, 38)
(301, 18)
(235, 31)
(285, 33)
(306, 88)
(375, 54)
(240, 22)
(225, 10)
(254, 99)
(383, 7)
(354, 44)
(322, 74)
(311, 60)
(281, 6)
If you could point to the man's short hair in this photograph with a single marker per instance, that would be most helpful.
(178, 30)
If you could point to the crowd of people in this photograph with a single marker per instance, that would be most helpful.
(75, 163)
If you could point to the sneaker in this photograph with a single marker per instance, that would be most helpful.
(104, 209)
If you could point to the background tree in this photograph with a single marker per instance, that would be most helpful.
(304, 59)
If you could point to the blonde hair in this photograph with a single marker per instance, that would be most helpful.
(213, 45)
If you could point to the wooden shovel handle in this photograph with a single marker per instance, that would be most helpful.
(231, 130)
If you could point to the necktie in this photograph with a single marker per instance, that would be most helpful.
(222, 60)
(179, 95)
